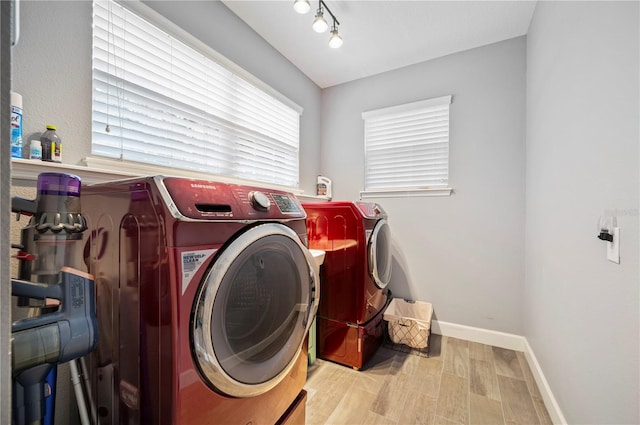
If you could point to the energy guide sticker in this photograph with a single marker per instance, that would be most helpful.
(191, 263)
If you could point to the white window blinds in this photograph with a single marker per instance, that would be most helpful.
(166, 103)
(407, 146)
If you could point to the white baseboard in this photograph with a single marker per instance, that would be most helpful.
(550, 401)
(483, 336)
(511, 342)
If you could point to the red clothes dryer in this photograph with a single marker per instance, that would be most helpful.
(205, 293)
(356, 271)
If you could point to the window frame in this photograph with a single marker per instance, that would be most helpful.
(393, 113)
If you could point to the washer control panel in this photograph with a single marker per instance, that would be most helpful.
(285, 203)
(211, 200)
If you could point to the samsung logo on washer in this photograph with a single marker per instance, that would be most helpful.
(202, 186)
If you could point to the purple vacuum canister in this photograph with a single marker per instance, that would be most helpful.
(58, 204)
(58, 184)
(54, 233)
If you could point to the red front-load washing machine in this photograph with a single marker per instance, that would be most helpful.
(205, 293)
(354, 277)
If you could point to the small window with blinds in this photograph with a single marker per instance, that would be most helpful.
(158, 100)
(407, 149)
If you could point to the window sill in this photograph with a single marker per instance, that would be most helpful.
(408, 193)
(100, 170)
(28, 170)
(312, 198)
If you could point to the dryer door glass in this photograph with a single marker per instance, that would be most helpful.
(380, 254)
(254, 310)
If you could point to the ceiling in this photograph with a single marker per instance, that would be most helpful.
(381, 35)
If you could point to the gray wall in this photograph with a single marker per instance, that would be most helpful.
(52, 70)
(581, 311)
(463, 253)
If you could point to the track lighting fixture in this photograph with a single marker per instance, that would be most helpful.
(320, 24)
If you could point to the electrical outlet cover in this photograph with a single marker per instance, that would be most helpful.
(613, 248)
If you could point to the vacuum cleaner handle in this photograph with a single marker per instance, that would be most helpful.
(23, 206)
(34, 290)
(57, 337)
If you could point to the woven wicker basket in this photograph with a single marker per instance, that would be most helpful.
(408, 323)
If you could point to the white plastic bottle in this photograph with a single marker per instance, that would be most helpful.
(35, 149)
(324, 187)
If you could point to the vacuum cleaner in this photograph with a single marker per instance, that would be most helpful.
(64, 327)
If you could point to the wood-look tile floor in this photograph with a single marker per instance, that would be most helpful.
(461, 382)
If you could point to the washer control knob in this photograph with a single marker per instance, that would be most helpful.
(259, 201)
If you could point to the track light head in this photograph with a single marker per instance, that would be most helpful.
(319, 23)
(335, 40)
(302, 6)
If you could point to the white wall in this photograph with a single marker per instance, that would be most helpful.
(463, 253)
(52, 70)
(581, 311)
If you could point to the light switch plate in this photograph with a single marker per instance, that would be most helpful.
(613, 248)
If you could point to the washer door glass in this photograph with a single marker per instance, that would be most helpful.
(253, 311)
(380, 254)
